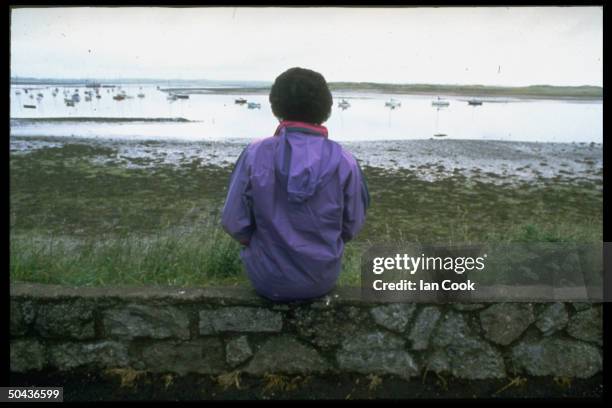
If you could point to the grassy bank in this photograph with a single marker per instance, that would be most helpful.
(588, 92)
(75, 220)
(533, 91)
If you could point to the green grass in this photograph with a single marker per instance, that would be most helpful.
(80, 223)
(166, 258)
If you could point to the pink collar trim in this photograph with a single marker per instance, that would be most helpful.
(307, 127)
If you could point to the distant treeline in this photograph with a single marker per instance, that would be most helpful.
(210, 86)
(476, 90)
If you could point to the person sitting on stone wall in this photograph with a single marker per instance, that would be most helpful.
(297, 197)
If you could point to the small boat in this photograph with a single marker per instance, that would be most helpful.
(39, 95)
(171, 97)
(181, 96)
(56, 90)
(98, 96)
(69, 102)
(76, 97)
(30, 106)
(141, 95)
(88, 98)
(17, 92)
(240, 101)
(440, 102)
(440, 135)
(344, 104)
(254, 105)
(393, 103)
(119, 97)
(475, 102)
(54, 94)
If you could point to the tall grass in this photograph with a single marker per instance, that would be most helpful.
(167, 258)
(198, 257)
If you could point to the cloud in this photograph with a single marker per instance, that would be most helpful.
(558, 45)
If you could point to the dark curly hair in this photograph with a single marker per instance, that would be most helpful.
(302, 95)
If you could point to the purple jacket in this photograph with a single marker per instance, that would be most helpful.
(294, 199)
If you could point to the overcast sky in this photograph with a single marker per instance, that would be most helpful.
(492, 46)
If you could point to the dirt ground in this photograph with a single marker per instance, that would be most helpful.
(129, 385)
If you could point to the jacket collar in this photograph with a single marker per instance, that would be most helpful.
(302, 127)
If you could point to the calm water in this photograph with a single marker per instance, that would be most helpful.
(217, 117)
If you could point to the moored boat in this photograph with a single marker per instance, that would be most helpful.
(393, 103)
(440, 102)
(344, 104)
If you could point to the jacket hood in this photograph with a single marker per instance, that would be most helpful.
(304, 159)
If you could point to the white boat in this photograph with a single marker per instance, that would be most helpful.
(440, 102)
(393, 103)
(344, 104)
(254, 105)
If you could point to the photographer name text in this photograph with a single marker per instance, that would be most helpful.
(404, 284)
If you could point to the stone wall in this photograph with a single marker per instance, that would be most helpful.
(219, 330)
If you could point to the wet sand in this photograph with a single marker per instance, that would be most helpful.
(498, 162)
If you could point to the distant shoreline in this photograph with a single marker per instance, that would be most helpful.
(95, 119)
(232, 87)
(456, 92)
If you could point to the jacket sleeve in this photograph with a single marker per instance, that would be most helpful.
(356, 203)
(237, 216)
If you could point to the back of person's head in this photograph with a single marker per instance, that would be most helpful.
(301, 94)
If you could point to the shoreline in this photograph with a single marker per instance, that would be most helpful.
(481, 94)
(585, 92)
(19, 121)
(492, 161)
